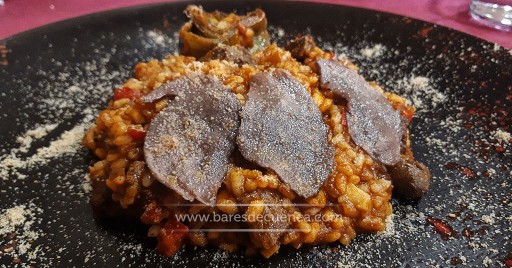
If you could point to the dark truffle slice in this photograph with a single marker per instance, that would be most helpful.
(188, 143)
(236, 54)
(372, 122)
(282, 129)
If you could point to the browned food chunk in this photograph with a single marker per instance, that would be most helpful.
(188, 143)
(301, 46)
(206, 30)
(282, 129)
(410, 178)
(372, 122)
(236, 54)
(273, 217)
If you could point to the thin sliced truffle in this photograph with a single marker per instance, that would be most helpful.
(188, 143)
(236, 54)
(372, 122)
(282, 129)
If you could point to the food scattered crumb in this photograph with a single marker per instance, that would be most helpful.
(502, 136)
(489, 219)
(435, 142)
(86, 185)
(68, 142)
(463, 260)
(390, 226)
(373, 52)
(26, 139)
(11, 218)
(157, 37)
(487, 261)
(420, 92)
(18, 233)
(491, 172)
(280, 32)
(162, 39)
(419, 82)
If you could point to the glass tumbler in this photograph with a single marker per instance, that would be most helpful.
(493, 13)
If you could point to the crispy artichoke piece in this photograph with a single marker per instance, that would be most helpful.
(206, 30)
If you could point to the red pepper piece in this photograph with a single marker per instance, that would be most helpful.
(441, 227)
(171, 237)
(153, 214)
(136, 133)
(125, 92)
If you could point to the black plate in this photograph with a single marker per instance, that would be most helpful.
(65, 72)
